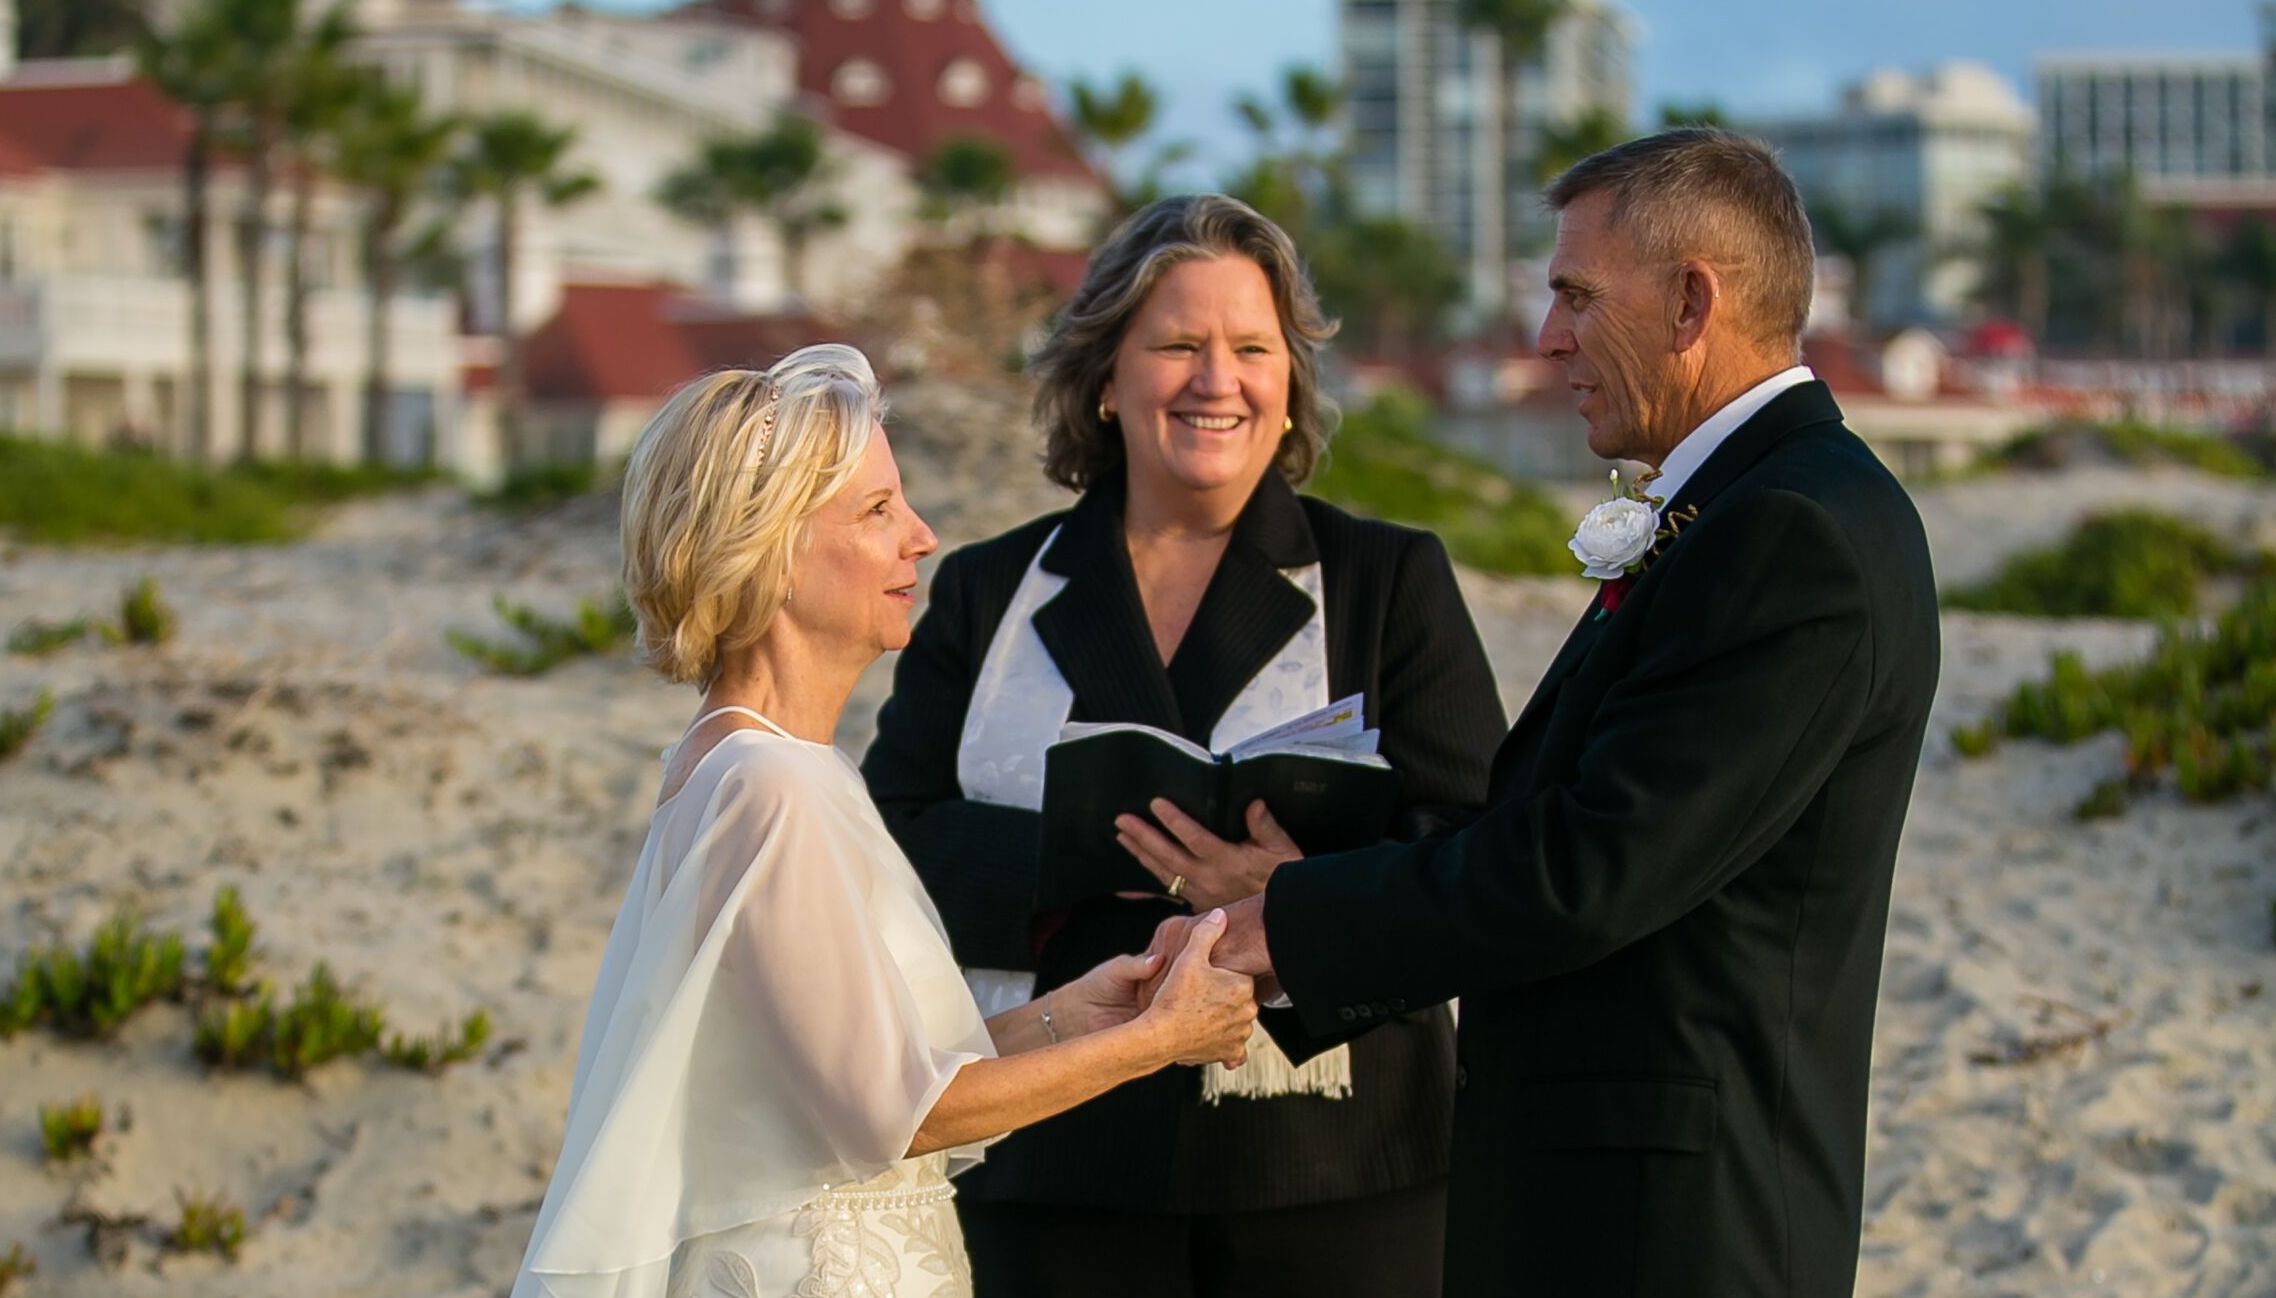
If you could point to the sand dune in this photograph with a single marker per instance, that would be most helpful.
(449, 840)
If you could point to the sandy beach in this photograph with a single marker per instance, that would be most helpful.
(2075, 1071)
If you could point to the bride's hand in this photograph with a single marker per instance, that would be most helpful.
(1108, 995)
(1202, 1012)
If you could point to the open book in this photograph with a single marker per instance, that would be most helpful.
(1319, 775)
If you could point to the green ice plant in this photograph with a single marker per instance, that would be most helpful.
(209, 1224)
(597, 627)
(432, 1054)
(68, 1130)
(18, 725)
(2201, 707)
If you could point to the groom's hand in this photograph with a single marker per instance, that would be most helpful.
(1169, 939)
(1242, 949)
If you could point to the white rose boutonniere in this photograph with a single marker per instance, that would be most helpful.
(1614, 537)
(1615, 541)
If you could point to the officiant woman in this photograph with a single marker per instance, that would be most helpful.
(1191, 589)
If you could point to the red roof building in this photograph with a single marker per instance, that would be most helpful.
(96, 125)
(913, 74)
(637, 342)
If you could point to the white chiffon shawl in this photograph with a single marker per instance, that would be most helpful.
(777, 1010)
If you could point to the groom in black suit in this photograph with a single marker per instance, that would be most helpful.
(1666, 929)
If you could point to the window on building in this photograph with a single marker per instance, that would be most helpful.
(925, 9)
(859, 83)
(169, 251)
(7, 249)
(851, 8)
(963, 83)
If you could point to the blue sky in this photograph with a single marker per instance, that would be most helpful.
(1752, 56)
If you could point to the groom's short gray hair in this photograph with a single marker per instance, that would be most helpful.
(1697, 191)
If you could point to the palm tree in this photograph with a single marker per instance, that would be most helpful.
(1860, 238)
(2018, 232)
(1314, 102)
(320, 87)
(1567, 142)
(265, 36)
(1521, 31)
(786, 181)
(2249, 262)
(511, 158)
(778, 174)
(1704, 113)
(192, 66)
(1391, 282)
(1114, 119)
(702, 192)
(963, 178)
(62, 29)
(1297, 182)
(390, 148)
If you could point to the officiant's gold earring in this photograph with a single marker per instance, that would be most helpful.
(1105, 416)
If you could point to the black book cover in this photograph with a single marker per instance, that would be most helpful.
(1324, 803)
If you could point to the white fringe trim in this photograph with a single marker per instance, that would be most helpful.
(1268, 1074)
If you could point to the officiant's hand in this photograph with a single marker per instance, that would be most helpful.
(1216, 873)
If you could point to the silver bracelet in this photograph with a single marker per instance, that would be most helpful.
(1049, 1029)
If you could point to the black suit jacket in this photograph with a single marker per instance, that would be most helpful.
(1666, 928)
(1397, 632)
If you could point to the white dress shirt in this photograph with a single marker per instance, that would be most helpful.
(1693, 451)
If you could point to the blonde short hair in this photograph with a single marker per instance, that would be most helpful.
(719, 494)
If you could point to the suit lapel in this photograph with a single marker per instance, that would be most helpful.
(1095, 627)
(1249, 611)
(1802, 406)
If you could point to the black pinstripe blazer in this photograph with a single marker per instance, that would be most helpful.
(1397, 631)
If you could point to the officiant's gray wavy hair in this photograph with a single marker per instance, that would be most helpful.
(1696, 191)
(720, 491)
(1073, 365)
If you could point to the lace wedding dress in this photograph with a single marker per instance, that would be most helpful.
(776, 1012)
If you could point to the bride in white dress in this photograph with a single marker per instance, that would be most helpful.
(782, 1065)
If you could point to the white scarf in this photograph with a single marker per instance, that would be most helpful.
(1019, 703)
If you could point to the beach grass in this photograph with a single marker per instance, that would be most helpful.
(2135, 443)
(532, 488)
(2134, 563)
(91, 993)
(60, 493)
(543, 642)
(208, 1224)
(68, 1130)
(1384, 463)
(2200, 710)
(18, 725)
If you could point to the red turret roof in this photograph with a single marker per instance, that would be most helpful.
(914, 74)
(640, 341)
